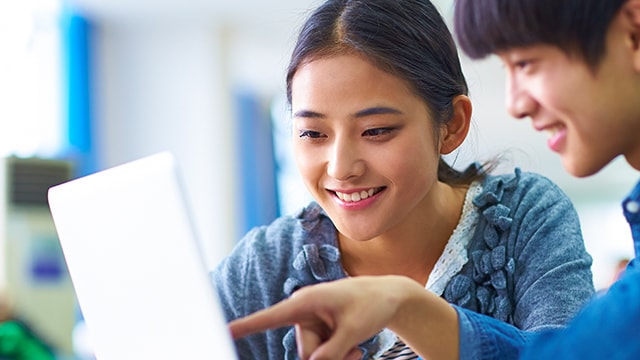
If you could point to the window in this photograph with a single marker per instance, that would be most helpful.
(30, 105)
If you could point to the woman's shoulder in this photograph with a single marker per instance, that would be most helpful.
(524, 198)
(295, 250)
(519, 178)
(288, 232)
(271, 246)
(298, 225)
(518, 185)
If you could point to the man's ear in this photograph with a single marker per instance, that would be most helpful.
(454, 132)
(631, 14)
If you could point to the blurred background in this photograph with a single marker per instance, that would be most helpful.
(90, 84)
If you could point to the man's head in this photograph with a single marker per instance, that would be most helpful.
(485, 27)
(573, 67)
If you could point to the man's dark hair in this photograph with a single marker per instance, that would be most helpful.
(578, 27)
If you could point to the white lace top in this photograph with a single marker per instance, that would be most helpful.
(453, 258)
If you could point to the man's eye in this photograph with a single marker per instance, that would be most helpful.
(310, 134)
(522, 64)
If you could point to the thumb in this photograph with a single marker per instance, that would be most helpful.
(354, 354)
(340, 345)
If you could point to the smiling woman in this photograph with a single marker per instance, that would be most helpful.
(371, 121)
(353, 126)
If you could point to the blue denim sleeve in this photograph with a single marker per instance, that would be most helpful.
(607, 328)
(483, 337)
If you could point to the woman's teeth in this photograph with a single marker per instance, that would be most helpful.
(356, 196)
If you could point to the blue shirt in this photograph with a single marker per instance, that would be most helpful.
(607, 328)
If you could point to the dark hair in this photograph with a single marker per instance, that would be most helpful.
(577, 27)
(406, 38)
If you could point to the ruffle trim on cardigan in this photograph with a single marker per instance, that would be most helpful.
(486, 291)
(319, 261)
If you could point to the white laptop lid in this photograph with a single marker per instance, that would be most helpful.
(136, 265)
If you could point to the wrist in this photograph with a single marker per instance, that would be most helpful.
(424, 321)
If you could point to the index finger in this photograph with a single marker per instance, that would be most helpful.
(286, 312)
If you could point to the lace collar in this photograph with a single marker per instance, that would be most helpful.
(454, 256)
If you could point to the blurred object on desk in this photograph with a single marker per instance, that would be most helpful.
(33, 274)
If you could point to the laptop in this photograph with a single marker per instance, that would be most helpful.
(136, 265)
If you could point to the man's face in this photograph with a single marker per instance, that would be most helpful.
(590, 115)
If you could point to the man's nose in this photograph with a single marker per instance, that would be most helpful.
(518, 101)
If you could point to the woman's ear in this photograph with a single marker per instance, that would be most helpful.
(454, 132)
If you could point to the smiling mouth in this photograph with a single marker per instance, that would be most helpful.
(552, 131)
(358, 195)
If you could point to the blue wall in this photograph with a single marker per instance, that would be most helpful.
(77, 91)
(258, 196)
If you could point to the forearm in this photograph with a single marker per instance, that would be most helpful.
(485, 338)
(424, 321)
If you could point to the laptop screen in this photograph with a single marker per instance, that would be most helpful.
(136, 264)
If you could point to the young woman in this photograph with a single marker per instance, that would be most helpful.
(377, 96)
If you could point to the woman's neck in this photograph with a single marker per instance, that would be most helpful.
(411, 248)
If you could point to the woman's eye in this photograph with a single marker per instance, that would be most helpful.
(377, 132)
(310, 134)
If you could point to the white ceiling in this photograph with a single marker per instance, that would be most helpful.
(172, 10)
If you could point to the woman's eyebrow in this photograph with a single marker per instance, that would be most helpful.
(378, 110)
(307, 114)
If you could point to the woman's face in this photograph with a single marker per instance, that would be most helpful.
(365, 145)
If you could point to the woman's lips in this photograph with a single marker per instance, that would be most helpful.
(355, 196)
(357, 199)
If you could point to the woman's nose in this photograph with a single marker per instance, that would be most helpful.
(345, 161)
